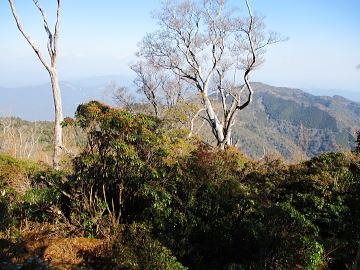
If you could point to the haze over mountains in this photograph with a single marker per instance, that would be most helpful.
(290, 122)
(35, 103)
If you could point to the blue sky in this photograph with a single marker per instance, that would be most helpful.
(100, 38)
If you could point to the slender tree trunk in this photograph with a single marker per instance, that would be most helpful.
(227, 139)
(216, 126)
(58, 143)
(52, 47)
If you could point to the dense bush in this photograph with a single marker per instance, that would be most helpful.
(5, 218)
(215, 208)
(30, 192)
(126, 156)
(14, 173)
(171, 202)
(217, 216)
(135, 249)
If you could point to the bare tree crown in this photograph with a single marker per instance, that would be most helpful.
(53, 36)
(213, 48)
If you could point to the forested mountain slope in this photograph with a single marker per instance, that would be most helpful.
(295, 124)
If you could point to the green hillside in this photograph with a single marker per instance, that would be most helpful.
(295, 124)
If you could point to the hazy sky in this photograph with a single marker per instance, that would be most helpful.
(100, 38)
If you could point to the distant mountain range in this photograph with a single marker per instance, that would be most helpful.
(34, 103)
(281, 120)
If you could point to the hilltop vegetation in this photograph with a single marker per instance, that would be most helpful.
(33, 140)
(153, 198)
(159, 183)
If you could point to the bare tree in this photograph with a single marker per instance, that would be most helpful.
(163, 90)
(20, 140)
(165, 95)
(123, 97)
(211, 47)
(51, 67)
(149, 80)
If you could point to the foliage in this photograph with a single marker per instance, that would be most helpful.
(280, 238)
(220, 221)
(13, 172)
(171, 202)
(5, 218)
(125, 154)
(216, 208)
(135, 249)
(32, 192)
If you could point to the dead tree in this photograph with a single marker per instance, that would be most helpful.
(149, 80)
(162, 90)
(51, 67)
(123, 97)
(214, 49)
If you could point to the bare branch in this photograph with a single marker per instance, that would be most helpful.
(46, 27)
(193, 120)
(56, 33)
(27, 37)
(205, 43)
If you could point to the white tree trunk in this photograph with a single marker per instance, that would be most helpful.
(58, 143)
(52, 47)
(215, 124)
(203, 43)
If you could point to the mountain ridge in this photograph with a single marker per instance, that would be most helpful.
(287, 121)
(296, 124)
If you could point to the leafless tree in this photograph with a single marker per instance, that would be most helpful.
(149, 80)
(51, 67)
(19, 140)
(7, 138)
(212, 47)
(163, 90)
(123, 97)
(165, 95)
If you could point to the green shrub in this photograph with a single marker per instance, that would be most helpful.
(38, 205)
(284, 239)
(135, 249)
(212, 209)
(24, 194)
(34, 192)
(125, 154)
(5, 218)
(14, 173)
